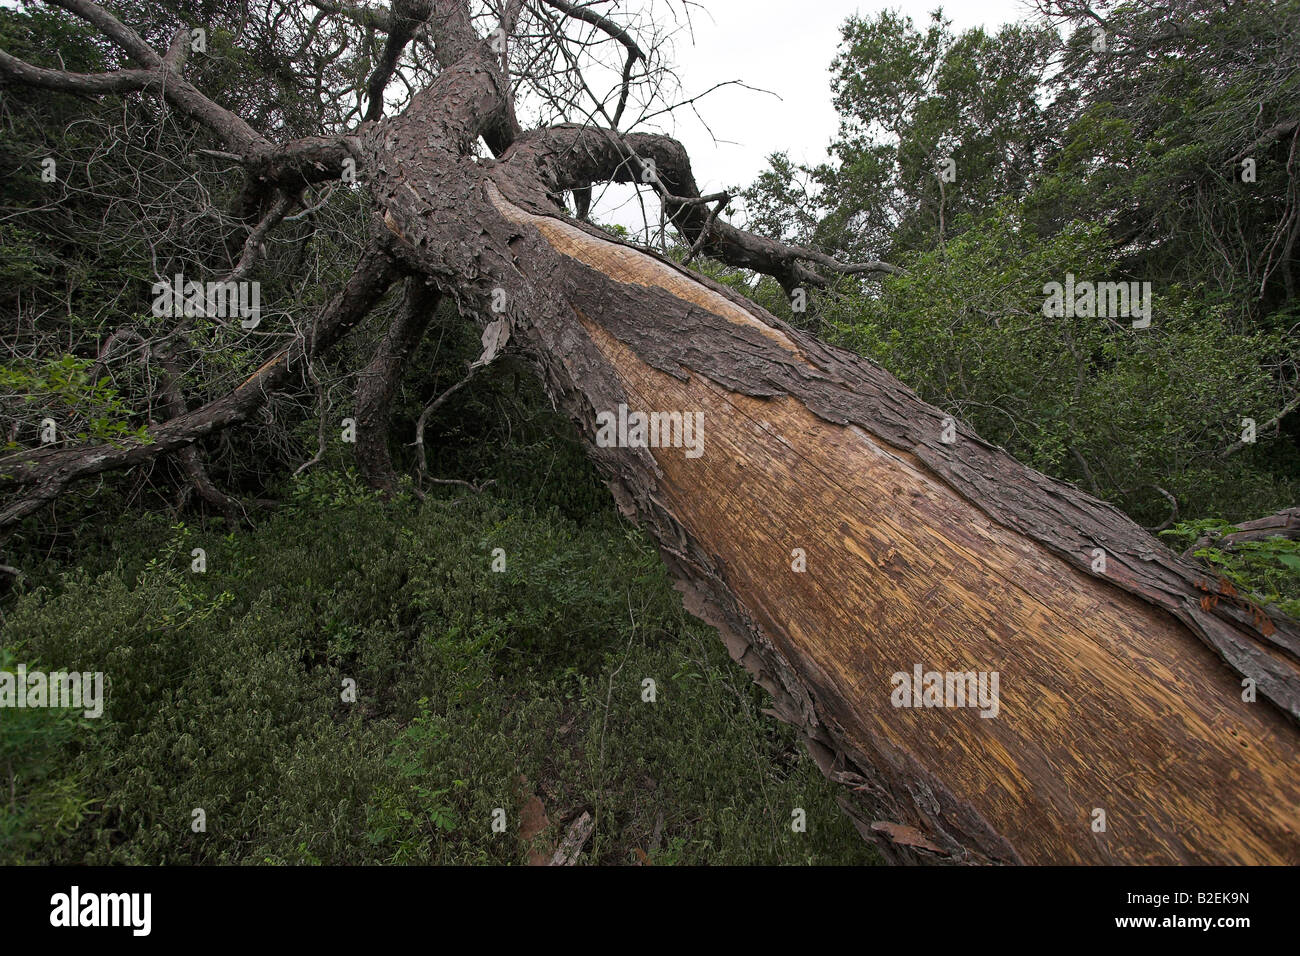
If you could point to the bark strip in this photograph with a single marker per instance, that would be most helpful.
(1115, 694)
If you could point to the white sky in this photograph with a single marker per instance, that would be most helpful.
(785, 46)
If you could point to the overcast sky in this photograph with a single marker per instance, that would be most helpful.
(785, 46)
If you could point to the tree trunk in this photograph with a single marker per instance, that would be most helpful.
(840, 533)
(950, 557)
(378, 381)
(1123, 732)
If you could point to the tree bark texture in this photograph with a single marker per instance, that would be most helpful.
(1121, 692)
(1146, 713)
(377, 383)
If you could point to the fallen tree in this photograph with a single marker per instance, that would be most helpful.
(846, 538)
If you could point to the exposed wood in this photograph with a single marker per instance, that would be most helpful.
(1120, 671)
(575, 838)
(1114, 691)
(1118, 690)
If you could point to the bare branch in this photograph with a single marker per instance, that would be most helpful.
(43, 473)
(570, 156)
(119, 81)
(634, 52)
(405, 17)
(1273, 422)
(233, 130)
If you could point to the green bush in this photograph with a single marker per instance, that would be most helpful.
(43, 794)
(226, 696)
(1268, 570)
(1122, 412)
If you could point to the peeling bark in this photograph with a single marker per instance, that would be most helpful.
(570, 157)
(1120, 688)
(1121, 680)
(1118, 691)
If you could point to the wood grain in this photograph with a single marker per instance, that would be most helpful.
(1108, 700)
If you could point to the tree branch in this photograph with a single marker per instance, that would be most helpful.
(613, 30)
(1273, 422)
(405, 17)
(377, 382)
(572, 157)
(44, 472)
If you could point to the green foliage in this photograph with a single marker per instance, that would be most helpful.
(42, 794)
(1146, 138)
(61, 389)
(909, 100)
(477, 689)
(1121, 165)
(226, 695)
(1120, 411)
(1267, 570)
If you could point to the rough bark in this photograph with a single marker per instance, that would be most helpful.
(378, 381)
(1121, 683)
(953, 557)
(1121, 690)
(570, 157)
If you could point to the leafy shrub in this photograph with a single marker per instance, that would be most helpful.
(1267, 570)
(43, 794)
(226, 695)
